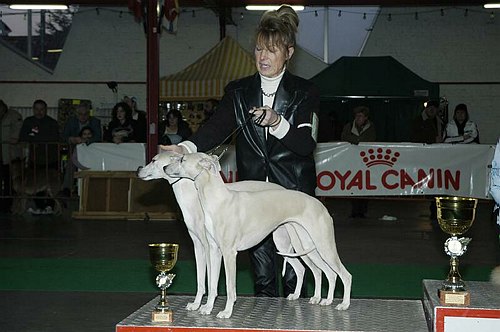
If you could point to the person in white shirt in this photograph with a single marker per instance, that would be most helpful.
(461, 129)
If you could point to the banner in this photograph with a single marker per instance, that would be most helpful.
(344, 169)
(396, 169)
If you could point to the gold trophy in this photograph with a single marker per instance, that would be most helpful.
(163, 257)
(455, 216)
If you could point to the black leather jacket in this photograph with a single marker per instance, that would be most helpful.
(288, 161)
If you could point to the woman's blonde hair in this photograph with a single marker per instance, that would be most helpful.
(277, 28)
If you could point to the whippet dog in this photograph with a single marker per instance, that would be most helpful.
(238, 220)
(207, 253)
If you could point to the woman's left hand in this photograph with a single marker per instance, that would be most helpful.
(265, 116)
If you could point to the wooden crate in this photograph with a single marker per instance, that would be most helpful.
(121, 195)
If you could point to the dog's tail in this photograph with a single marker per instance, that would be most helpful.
(296, 254)
(495, 276)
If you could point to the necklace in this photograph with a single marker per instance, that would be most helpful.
(268, 95)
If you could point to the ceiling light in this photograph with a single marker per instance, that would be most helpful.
(40, 7)
(492, 5)
(271, 7)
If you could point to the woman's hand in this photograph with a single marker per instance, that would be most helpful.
(265, 116)
(173, 148)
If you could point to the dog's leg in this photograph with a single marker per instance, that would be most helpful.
(230, 268)
(298, 246)
(201, 267)
(213, 275)
(282, 242)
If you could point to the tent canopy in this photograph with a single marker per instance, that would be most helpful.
(380, 76)
(392, 92)
(207, 77)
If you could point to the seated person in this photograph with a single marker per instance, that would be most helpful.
(122, 127)
(82, 119)
(139, 117)
(461, 129)
(174, 129)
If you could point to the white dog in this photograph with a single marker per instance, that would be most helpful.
(189, 203)
(238, 220)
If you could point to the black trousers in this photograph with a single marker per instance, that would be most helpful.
(264, 260)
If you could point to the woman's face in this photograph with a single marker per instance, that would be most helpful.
(271, 62)
(460, 115)
(172, 120)
(121, 114)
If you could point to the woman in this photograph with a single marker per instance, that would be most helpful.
(174, 129)
(278, 144)
(461, 129)
(122, 127)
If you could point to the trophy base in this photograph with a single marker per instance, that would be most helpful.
(454, 298)
(165, 316)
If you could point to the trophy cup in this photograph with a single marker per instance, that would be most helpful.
(163, 257)
(455, 216)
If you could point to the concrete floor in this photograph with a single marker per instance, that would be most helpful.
(410, 238)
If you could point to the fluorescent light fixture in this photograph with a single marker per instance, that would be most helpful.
(270, 7)
(40, 7)
(492, 5)
(56, 50)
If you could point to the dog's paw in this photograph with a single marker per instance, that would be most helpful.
(206, 309)
(191, 306)
(326, 302)
(314, 300)
(342, 306)
(293, 297)
(225, 313)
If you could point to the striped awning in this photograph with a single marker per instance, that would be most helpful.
(207, 77)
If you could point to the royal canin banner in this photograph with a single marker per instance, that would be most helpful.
(343, 169)
(395, 169)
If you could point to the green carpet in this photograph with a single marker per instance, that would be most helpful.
(106, 275)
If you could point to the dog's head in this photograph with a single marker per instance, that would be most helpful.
(156, 168)
(193, 164)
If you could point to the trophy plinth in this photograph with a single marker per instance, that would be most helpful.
(163, 257)
(455, 216)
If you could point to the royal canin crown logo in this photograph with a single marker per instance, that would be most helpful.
(379, 156)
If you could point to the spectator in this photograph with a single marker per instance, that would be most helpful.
(82, 119)
(9, 150)
(42, 132)
(140, 117)
(71, 134)
(461, 129)
(209, 108)
(122, 127)
(359, 130)
(428, 126)
(174, 129)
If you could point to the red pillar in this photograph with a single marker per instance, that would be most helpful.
(152, 85)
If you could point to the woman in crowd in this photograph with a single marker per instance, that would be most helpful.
(277, 112)
(461, 129)
(121, 128)
(174, 129)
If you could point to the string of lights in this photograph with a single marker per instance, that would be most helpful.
(313, 11)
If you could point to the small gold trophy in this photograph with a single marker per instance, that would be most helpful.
(163, 257)
(455, 216)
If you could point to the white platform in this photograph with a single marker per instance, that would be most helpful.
(483, 314)
(278, 314)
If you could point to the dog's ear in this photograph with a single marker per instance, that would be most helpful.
(210, 164)
(216, 164)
